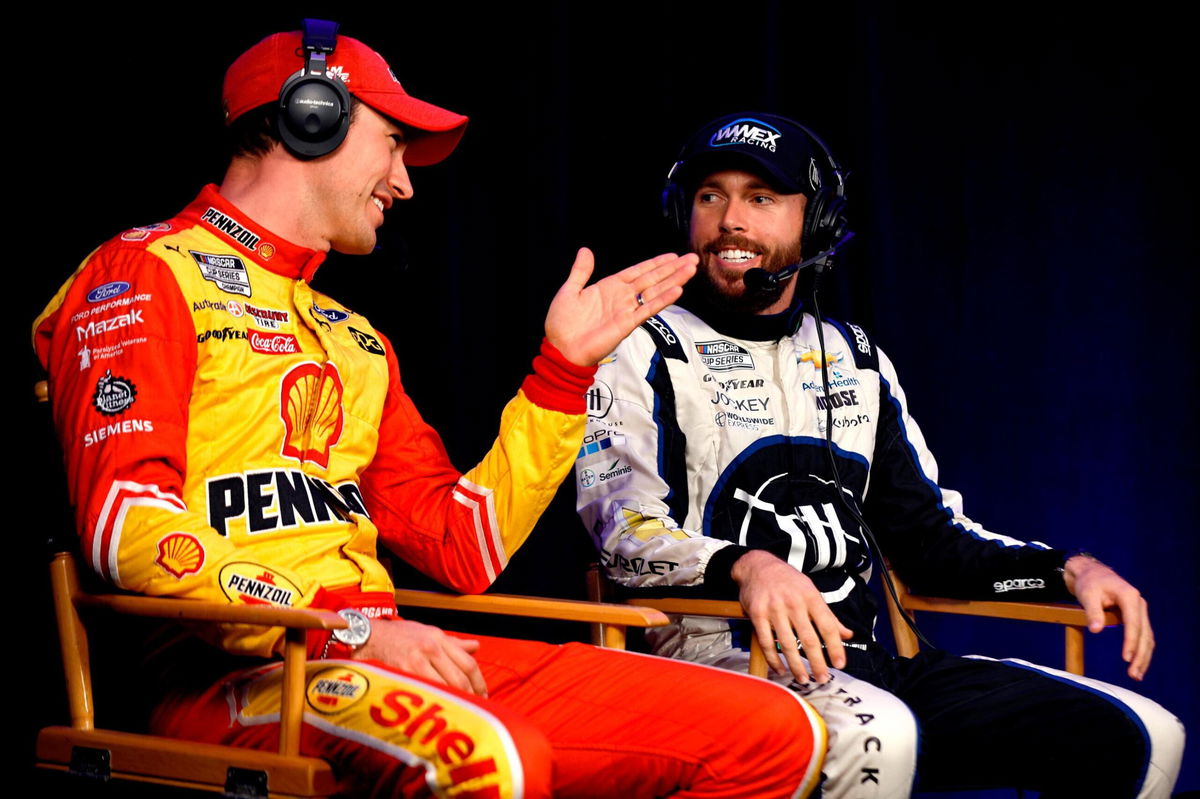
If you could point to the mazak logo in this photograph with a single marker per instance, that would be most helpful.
(334, 690)
(599, 400)
(254, 584)
(310, 405)
(108, 291)
(273, 343)
(231, 228)
(227, 271)
(724, 356)
(749, 131)
(129, 319)
(269, 318)
(113, 395)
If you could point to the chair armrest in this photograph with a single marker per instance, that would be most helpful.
(1051, 612)
(718, 608)
(195, 610)
(537, 607)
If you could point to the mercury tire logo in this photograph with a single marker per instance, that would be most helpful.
(748, 131)
(113, 395)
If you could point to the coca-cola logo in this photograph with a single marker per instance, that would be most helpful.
(273, 343)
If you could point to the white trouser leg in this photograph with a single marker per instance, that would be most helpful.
(1163, 728)
(872, 751)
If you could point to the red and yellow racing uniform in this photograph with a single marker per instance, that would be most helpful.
(233, 435)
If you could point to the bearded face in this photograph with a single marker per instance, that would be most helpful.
(740, 223)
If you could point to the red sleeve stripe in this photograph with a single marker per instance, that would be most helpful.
(483, 512)
(105, 542)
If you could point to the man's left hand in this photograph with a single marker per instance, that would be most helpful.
(586, 323)
(1097, 587)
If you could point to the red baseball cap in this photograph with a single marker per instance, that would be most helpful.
(258, 74)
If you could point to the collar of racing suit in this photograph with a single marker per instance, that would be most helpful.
(746, 326)
(270, 251)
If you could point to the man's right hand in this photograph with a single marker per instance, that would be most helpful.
(425, 652)
(785, 606)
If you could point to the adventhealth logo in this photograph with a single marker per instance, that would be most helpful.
(746, 131)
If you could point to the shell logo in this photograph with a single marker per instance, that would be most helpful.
(180, 554)
(310, 404)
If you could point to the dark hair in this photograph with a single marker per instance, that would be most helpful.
(255, 132)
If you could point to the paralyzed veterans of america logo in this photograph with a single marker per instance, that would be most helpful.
(748, 131)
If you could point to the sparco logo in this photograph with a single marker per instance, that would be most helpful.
(662, 329)
(231, 228)
(860, 339)
(273, 343)
(113, 394)
(747, 131)
(1019, 584)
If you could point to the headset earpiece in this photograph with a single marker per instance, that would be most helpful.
(314, 109)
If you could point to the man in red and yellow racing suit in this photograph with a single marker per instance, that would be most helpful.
(232, 435)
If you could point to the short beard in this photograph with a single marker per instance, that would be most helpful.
(745, 301)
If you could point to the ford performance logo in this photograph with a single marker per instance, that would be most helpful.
(107, 291)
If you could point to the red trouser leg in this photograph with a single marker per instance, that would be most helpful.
(385, 733)
(628, 725)
(563, 721)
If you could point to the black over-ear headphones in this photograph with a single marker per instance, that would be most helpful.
(314, 109)
(825, 221)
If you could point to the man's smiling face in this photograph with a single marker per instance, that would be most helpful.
(739, 222)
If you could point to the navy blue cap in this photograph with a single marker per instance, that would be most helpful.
(768, 145)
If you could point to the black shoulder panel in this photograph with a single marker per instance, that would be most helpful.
(664, 338)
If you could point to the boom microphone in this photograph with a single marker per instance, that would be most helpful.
(761, 280)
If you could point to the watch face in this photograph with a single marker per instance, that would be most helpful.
(359, 631)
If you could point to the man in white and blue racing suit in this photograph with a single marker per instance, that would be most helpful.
(706, 470)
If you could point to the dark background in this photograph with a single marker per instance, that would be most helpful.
(1023, 186)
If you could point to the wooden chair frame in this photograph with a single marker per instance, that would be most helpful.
(110, 754)
(1071, 616)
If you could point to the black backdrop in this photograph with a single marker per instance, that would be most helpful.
(1023, 186)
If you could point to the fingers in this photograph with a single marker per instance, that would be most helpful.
(766, 639)
(1139, 636)
(581, 270)
(466, 666)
